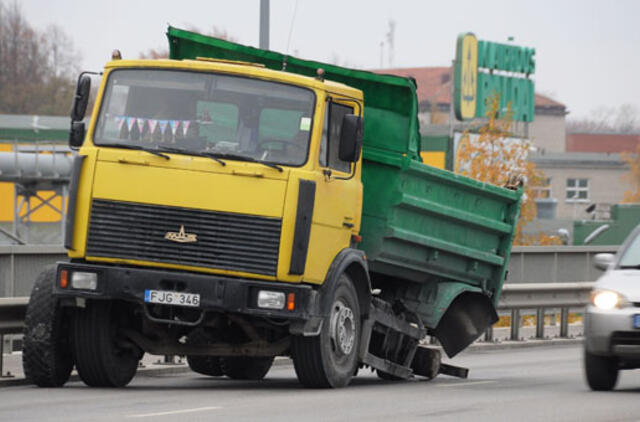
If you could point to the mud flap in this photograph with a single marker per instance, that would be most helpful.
(467, 319)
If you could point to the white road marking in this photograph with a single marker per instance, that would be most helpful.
(174, 412)
(458, 384)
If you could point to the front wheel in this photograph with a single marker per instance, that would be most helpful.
(601, 371)
(103, 357)
(46, 354)
(330, 359)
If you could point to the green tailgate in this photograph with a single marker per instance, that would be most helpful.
(429, 234)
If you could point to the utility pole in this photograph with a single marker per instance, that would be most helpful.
(264, 24)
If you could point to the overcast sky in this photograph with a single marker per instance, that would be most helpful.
(587, 52)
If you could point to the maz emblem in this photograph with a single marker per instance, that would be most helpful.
(181, 236)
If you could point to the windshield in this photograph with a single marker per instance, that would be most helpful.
(207, 113)
(631, 254)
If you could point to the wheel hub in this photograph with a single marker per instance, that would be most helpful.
(343, 328)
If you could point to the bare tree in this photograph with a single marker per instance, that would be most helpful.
(38, 68)
(624, 119)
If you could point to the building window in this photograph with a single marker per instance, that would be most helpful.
(577, 190)
(543, 191)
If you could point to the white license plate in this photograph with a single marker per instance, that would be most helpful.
(172, 298)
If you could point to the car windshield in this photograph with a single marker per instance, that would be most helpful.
(631, 256)
(204, 113)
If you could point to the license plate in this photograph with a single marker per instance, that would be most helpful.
(636, 321)
(172, 298)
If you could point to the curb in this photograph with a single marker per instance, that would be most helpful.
(523, 344)
(158, 370)
(150, 370)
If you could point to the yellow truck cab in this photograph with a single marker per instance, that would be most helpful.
(235, 139)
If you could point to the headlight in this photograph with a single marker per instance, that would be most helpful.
(271, 300)
(607, 299)
(85, 281)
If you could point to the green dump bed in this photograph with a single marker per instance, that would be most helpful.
(429, 234)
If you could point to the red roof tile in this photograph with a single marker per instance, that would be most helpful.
(434, 85)
(601, 142)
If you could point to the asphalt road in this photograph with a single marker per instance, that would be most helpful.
(529, 384)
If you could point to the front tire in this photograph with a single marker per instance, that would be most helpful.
(601, 371)
(101, 359)
(46, 353)
(330, 359)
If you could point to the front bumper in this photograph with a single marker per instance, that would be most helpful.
(217, 293)
(611, 333)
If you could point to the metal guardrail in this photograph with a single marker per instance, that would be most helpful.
(20, 265)
(542, 296)
(514, 297)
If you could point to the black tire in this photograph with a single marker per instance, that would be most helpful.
(100, 361)
(46, 354)
(246, 367)
(205, 365)
(386, 376)
(601, 371)
(329, 360)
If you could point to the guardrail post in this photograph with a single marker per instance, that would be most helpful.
(515, 324)
(540, 323)
(1, 355)
(488, 335)
(564, 322)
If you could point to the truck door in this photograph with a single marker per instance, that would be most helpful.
(338, 198)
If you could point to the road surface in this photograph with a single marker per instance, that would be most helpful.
(528, 384)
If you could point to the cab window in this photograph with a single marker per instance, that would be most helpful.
(330, 144)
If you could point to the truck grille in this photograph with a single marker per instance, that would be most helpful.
(224, 240)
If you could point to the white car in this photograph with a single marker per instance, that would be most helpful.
(612, 319)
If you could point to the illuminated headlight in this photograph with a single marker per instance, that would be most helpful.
(270, 299)
(86, 281)
(607, 299)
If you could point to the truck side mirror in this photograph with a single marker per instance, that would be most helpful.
(76, 135)
(78, 109)
(81, 98)
(350, 138)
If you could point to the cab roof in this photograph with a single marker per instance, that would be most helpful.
(238, 68)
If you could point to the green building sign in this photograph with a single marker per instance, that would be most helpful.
(489, 68)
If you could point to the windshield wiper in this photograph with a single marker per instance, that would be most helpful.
(630, 267)
(140, 148)
(187, 152)
(241, 158)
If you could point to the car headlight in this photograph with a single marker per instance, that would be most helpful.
(607, 299)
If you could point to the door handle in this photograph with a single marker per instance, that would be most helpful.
(132, 160)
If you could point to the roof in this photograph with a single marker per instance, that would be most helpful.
(434, 86)
(601, 142)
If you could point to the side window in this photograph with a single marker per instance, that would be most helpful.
(330, 145)
(217, 122)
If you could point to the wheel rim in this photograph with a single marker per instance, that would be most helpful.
(343, 328)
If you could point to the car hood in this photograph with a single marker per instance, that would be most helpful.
(626, 282)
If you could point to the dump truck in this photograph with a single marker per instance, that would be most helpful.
(232, 205)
